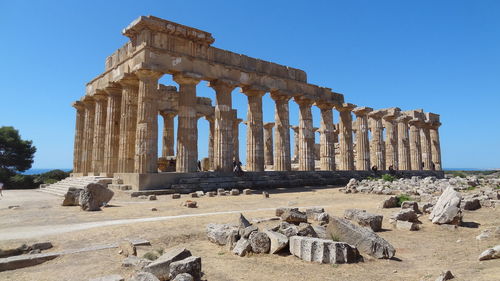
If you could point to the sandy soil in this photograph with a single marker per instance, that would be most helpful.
(421, 255)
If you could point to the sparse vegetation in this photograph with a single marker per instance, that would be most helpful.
(335, 238)
(402, 198)
(498, 187)
(150, 256)
(387, 177)
(471, 188)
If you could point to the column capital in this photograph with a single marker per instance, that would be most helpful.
(129, 80)
(222, 85)
(345, 107)
(146, 74)
(303, 101)
(168, 113)
(391, 113)
(187, 78)
(325, 105)
(416, 122)
(79, 105)
(268, 125)
(295, 128)
(210, 118)
(253, 90)
(362, 111)
(377, 114)
(88, 101)
(100, 96)
(113, 89)
(403, 119)
(435, 125)
(281, 95)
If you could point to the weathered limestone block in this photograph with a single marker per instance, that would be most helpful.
(405, 215)
(144, 276)
(391, 202)
(245, 232)
(183, 277)
(446, 210)
(278, 241)
(242, 247)
(306, 229)
(406, 225)
(219, 233)
(94, 196)
(293, 216)
(470, 204)
(114, 277)
(320, 231)
(72, 197)
(364, 239)
(491, 253)
(280, 211)
(243, 222)
(311, 212)
(260, 242)
(410, 205)
(134, 261)
(288, 230)
(322, 250)
(446, 275)
(361, 217)
(190, 265)
(161, 267)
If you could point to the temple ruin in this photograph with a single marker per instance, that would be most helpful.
(117, 118)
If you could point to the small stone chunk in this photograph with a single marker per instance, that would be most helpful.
(405, 215)
(154, 209)
(427, 208)
(410, 205)
(294, 216)
(406, 225)
(245, 232)
(134, 261)
(221, 192)
(160, 267)
(211, 193)
(193, 195)
(265, 194)
(288, 230)
(445, 276)
(190, 204)
(470, 204)
(247, 191)
(391, 202)
(243, 222)
(183, 277)
(311, 212)
(142, 197)
(152, 197)
(306, 229)
(491, 253)
(242, 247)
(127, 249)
(191, 265)
(280, 211)
(321, 217)
(176, 196)
(320, 231)
(234, 192)
(260, 242)
(278, 241)
(200, 193)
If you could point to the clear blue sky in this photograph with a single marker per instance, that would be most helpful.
(442, 56)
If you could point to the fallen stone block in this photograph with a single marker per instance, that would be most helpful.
(406, 225)
(221, 192)
(323, 251)
(190, 265)
(410, 205)
(152, 197)
(361, 217)
(183, 277)
(278, 241)
(446, 275)
(176, 196)
(281, 210)
(243, 222)
(391, 202)
(211, 193)
(161, 267)
(320, 231)
(72, 197)
(134, 261)
(193, 195)
(311, 212)
(491, 253)
(321, 217)
(114, 277)
(260, 242)
(405, 215)
(293, 216)
(247, 191)
(94, 196)
(265, 194)
(234, 192)
(144, 276)
(470, 204)
(22, 261)
(245, 232)
(242, 247)
(364, 239)
(306, 229)
(219, 233)
(288, 229)
(446, 210)
(190, 204)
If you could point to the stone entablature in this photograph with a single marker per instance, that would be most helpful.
(117, 119)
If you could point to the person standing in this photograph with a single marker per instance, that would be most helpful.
(1, 187)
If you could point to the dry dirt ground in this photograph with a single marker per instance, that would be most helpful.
(421, 255)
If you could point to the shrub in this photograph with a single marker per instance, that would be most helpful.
(388, 177)
(21, 182)
(335, 238)
(471, 188)
(50, 181)
(56, 175)
(150, 256)
(498, 187)
(402, 198)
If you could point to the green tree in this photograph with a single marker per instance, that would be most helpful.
(16, 155)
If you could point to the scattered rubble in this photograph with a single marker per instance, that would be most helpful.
(361, 217)
(492, 232)
(491, 253)
(446, 275)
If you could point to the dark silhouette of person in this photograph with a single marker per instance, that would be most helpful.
(374, 168)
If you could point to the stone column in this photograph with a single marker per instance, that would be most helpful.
(435, 144)
(223, 130)
(79, 137)
(168, 133)
(187, 127)
(268, 144)
(425, 138)
(88, 137)
(306, 134)
(362, 143)
(391, 138)
(112, 138)
(282, 161)
(128, 124)
(403, 143)
(101, 102)
(146, 137)
(295, 158)
(327, 137)
(345, 136)
(236, 140)
(211, 144)
(415, 145)
(377, 142)
(255, 137)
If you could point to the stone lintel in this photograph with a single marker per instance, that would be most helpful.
(416, 114)
(284, 95)
(113, 89)
(304, 100)
(362, 110)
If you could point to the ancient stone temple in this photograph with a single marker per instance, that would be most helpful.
(117, 119)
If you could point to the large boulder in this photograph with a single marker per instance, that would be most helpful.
(94, 196)
(491, 253)
(470, 204)
(322, 250)
(391, 202)
(72, 197)
(361, 217)
(447, 210)
(190, 265)
(364, 239)
(219, 233)
(161, 267)
(260, 242)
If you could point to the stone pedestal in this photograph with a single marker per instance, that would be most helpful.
(377, 157)
(306, 135)
(403, 143)
(101, 102)
(128, 124)
(255, 134)
(187, 129)
(282, 161)
(223, 130)
(268, 144)
(415, 145)
(327, 137)
(362, 144)
(112, 138)
(167, 148)
(79, 136)
(425, 139)
(391, 138)
(345, 136)
(146, 138)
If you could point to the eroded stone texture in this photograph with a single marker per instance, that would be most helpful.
(391, 138)
(327, 137)
(306, 135)
(282, 160)
(403, 143)
(255, 134)
(377, 156)
(447, 209)
(415, 146)
(323, 251)
(112, 135)
(168, 133)
(88, 138)
(345, 137)
(268, 144)
(362, 144)
(128, 124)
(79, 136)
